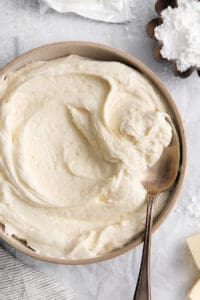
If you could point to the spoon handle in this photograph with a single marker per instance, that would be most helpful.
(143, 287)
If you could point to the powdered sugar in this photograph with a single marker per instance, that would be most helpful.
(180, 34)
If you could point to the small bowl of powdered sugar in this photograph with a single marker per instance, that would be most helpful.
(177, 32)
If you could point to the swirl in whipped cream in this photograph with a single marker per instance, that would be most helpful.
(76, 138)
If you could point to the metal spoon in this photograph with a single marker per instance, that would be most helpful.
(159, 178)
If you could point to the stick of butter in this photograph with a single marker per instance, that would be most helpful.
(194, 246)
(194, 293)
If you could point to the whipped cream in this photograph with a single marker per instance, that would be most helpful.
(76, 138)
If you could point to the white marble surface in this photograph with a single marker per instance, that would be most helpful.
(22, 27)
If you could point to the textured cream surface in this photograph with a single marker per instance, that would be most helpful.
(76, 138)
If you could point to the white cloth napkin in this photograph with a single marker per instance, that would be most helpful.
(19, 282)
(113, 11)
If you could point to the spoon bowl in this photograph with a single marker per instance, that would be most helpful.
(162, 175)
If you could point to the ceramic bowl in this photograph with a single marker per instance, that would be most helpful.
(105, 53)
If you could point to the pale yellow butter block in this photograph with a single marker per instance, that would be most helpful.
(194, 246)
(194, 293)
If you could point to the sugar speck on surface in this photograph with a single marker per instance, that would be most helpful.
(180, 34)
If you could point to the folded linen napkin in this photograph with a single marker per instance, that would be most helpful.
(19, 282)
